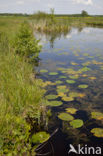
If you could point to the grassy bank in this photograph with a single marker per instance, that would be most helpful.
(21, 95)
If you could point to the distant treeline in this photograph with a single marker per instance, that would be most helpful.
(12, 14)
(43, 14)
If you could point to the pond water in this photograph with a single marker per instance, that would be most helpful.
(71, 67)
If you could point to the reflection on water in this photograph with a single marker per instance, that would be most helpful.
(74, 60)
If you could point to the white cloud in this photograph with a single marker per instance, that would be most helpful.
(85, 2)
(20, 2)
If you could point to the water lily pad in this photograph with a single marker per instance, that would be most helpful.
(83, 86)
(53, 73)
(62, 77)
(62, 89)
(68, 98)
(98, 132)
(51, 97)
(74, 63)
(97, 115)
(43, 71)
(76, 123)
(65, 117)
(40, 137)
(85, 69)
(73, 76)
(54, 103)
(71, 110)
(73, 94)
(58, 82)
(92, 78)
(70, 81)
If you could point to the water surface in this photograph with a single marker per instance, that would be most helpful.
(67, 55)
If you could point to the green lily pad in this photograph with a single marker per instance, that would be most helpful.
(98, 132)
(71, 110)
(51, 97)
(65, 117)
(40, 137)
(73, 94)
(53, 73)
(62, 89)
(76, 123)
(43, 71)
(58, 82)
(85, 69)
(62, 77)
(54, 103)
(73, 76)
(65, 98)
(70, 81)
(83, 86)
(97, 115)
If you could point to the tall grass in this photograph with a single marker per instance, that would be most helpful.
(20, 99)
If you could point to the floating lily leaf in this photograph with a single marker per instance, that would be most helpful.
(73, 63)
(71, 110)
(51, 97)
(70, 81)
(76, 123)
(86, 54)
(92, 78)
(74, 76)
(81, 95)
(97, 115)
(68, 98)
(53, 73)
(73, 94)
(58, 82)
(65, 117)
(86, 63)
(61, 94)
(62, 77)
(83, 86)
(43, 71)
(47, 83)
(84, 75)
(85, 69)
(98, 132)
(62, 89)
(40, 137)
(54, 103)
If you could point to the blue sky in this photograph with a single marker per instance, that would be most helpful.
(60, 6)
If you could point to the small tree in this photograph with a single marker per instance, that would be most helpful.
(25, 42)
(84, 13)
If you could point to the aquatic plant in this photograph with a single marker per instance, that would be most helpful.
(66, 98)
(97, 115)
(53, 103)
(98, 132)
(43, 71)
(51, 97)
(83, 86)
(58, 82)
(53, 73)
(70, 81)
(65, 117)
(71, 110)
(73, 94)
(39, 137)
(74, 76)
(77, 123)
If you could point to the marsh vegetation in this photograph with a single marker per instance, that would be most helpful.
(59, 81)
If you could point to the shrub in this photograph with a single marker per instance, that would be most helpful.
(25, 42)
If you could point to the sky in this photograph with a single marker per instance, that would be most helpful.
(60, 6)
